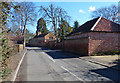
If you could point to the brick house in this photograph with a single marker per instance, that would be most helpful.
(97, 35)
(42, 39)
(17, 39)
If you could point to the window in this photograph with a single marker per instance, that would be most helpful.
(50, 37)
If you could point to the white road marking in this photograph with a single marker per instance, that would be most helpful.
(72, 73)
(51, 58)
(17, 69)
(48, 56)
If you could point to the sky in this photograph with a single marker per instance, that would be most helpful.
(78, 11)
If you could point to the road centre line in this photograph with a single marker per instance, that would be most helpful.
(72, 73)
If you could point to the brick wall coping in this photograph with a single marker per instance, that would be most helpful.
(77, 38)
(107, 31)
(18, 44)
(94, 31)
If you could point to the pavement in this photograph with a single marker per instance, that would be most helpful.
(111, 61)
(41, 64)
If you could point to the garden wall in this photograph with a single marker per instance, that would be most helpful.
(79, 45)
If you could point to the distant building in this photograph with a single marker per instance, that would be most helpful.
(42, 39)
(97, 35)
(17, 39)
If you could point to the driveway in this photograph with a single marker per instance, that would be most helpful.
(41, 64)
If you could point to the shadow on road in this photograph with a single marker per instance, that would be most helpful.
(110, 72)
(61, 54)
(55, 54)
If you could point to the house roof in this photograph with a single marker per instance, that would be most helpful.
(14, 38)
(97, 24)
(41, 35)
(18, 39)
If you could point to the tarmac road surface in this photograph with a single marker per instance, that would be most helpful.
(41, 64)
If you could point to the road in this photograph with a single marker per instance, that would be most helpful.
(40, 64)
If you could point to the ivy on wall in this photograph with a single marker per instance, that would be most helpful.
(6, 47)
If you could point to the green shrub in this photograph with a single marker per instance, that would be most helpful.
(5, 72)
(5, 48)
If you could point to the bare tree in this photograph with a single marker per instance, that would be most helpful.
(118, 12)
(53, 15)
(16, 20)
(25, 15)
(107, 12)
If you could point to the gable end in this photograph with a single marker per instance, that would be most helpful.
(96, 23)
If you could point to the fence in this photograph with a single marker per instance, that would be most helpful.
(19, 47)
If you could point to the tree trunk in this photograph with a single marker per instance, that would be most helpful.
(24, 44)
(24, 32)
(55, 32)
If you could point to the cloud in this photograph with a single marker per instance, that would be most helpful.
(81, 11)
(91, 8)
(118, 14)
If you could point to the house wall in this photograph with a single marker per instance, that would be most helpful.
(107, 25)
(49, 42)
(49, 35)
(42, 41)
(103, 41)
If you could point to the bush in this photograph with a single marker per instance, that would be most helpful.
(8, 49)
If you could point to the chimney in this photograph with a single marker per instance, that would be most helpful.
(35, 34)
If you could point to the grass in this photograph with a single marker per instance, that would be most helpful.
(107, 53)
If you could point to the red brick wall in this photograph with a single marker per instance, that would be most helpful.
(97, 42)
(106, 25)
(59, 45)
(47, 37)
(78, 35)
(76, 45)
(103, 41)
(37, 42)
(42, 41)
(50, 44)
